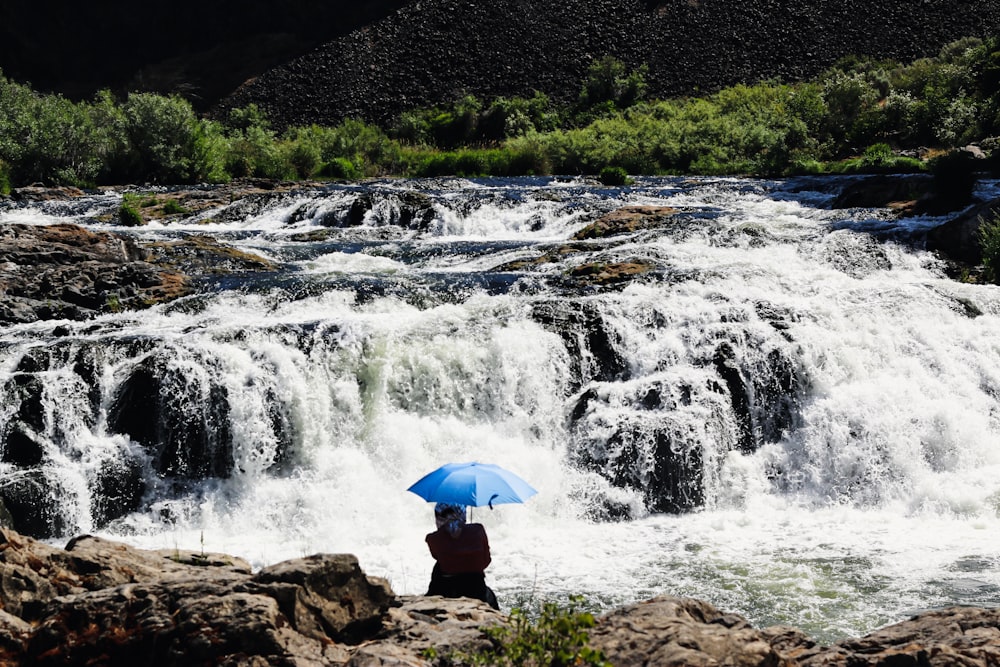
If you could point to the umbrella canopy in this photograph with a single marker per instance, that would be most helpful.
(472, 484)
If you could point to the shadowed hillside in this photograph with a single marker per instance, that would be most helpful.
(437, 50)
(200, 49)
(324, 60)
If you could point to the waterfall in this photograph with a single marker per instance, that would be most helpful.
(791, 415)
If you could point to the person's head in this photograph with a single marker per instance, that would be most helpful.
(450, 517)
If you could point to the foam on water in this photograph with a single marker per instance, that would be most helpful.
(882, 498)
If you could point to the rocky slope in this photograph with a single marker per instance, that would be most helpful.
(99, 602)
(436, 50)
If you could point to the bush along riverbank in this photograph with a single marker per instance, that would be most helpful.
(104, 602)
(861, 115)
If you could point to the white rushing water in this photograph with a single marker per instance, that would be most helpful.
(880, 498)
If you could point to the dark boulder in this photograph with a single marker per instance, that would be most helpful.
(20, 446)
(408, 209)
(117, 489)
(33, 501)
(182, 422)
(958, 239)
(883, 191)
(590, 342)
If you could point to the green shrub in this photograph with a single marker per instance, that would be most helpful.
(162, 133)
(558, 638)
(527, 155)
(989, 243)
(340, 167)
(4, 179)
(173, 207)
(614, 176)
(303, 157)
(607, 81)
(128, 211)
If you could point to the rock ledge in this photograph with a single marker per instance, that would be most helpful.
(99, 602)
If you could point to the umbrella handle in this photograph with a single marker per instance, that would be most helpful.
(490, 503)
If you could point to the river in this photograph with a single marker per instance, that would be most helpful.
(795, 416)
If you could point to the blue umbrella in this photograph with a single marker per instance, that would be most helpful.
(472, 484)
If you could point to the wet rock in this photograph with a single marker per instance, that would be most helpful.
(410, 210)
(652, 451)
(883, 191)
(116, 490)
(204, 256)
(33, 502)
(589, 340)
(20, 446)
(626, 220)
(65, 271)
(600, 273)
(34, 193)
(182, 422)
(958, 239)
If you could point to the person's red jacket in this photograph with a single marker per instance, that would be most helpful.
(469, 552)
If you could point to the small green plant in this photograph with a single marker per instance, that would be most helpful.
(989, 242)
(128, 212)
(557, 638)
(614, 176)
(113, 303)
(173, 207)
(4, 179)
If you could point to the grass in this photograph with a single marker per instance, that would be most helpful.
(557, 637)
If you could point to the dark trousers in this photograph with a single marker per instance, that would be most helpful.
(465, 585)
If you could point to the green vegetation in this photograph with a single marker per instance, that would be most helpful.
(172, 207)
(558, 637)
(128, 211)
(614, 176)
(989, 241)
(861, 116)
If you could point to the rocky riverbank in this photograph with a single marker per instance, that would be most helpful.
(99, 602)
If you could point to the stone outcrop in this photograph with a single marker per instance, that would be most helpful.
(103, 602)
(66, 271)
(626, 220)
(958, 239)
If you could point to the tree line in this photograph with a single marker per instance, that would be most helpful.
(860, 115)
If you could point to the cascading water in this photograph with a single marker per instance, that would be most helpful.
(794, 416)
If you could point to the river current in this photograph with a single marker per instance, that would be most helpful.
(854, 481)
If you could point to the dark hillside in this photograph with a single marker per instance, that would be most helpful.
(201, 49)
(436, 50)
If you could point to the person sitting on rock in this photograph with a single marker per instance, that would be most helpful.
(462, 553)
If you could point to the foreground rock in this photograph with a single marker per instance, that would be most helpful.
(98, 602)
